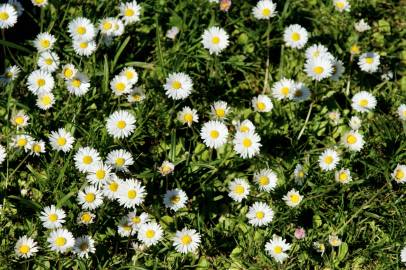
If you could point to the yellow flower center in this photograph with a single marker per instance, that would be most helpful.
(90, 197)
(277, 249)
(120, 161)
(60, 241)
(107, 26)
(113, 187)
(76, 83)
(220, 112)
(266, 12)
(86, 218)
(87, 160)
(318, 70)
(263, 180)
(261, 106)
(21, 142)
(68, 73)
(48, 61)
(36, 148)
(214, 134)
(351, 139)
(239, 189)
(176, 85)
(300, 174)
(45, 43)
(24, 249)
(127, 228)
(53, 217)
(81, 30)
(166, 169)
(41, 82)
(129, 12)
(188, 117)
(120, 86)
(260, 215)
(399, 174)
(343, 176)
(340, 5)
(121, 124)
(175, 199)
(369, 60)
(46, 100)
(61, 141)
(132, 194)
(363, 102)
(19, 120)
(355, 49)
(150, 233)
(136, 220)
(246, 142)
(294, 198)
(39, 1)
(136, 97)
(129, 74)
(285, 91)
(328, 159)
(83, 45)
(295, 36)
(215, 40)
(244, 129)
(186, 239)
(4, 16)
(100, 174)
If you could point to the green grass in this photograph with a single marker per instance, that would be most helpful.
(367, 214)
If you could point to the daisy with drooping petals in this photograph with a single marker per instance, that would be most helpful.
(341, 5)
(90, 198)
(187, 116)
(214, 134)
(110, 189)
(48, 61)
(353, 140)
(178, 85)
(85, 158)
(130, 12)
(61, 240)
(262, 103)
(402, 112)
(137, 220)
(363, 102)
(61, 140)
(343, 176)
(120, 124)
(265, 9)
(86, 217)
(25, 247)
(150, 233)
(247, 144)
(120, 159)
(136, 94)
(283, 89)
(166, 168)
(131, 193)
(219, 109)
(99, 174)
(355, 123)
(295, 36)
(84, 47)
(44, 42)
(175, 199)
(300, 92)
(40, 81)
(124, 227)
(83, 246)
(36, 147)
(277, 248)
(266, 179)
(338, 69)
(10, 74)
(245, 126)
(299, 173)
(52, 217)
(186, 240)
(45, 100)
(120, 85)
(81, 29)
(319, 68)
(399, 174)
(3, 154)
(328, 160)
(78, 85)
(292, 198)
(260, 214)
(8, 16)
(20, 119)
(215, 39)
(238, 189)
(130, 74)
(68, 72)
(21, 141)
(369, 62)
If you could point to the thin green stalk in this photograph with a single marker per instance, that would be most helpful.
(266, 85)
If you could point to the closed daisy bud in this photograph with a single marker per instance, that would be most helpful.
(353, 141)
(52, 217)
(81, 29)
(45, 100)
(175, 199)
(85, 158)
(369, 62)
(214, 134)
(178, 86)
(78, 85)
(186, 240)
(292, 198)
(40, 81)
(399, 174)
(83, 246)
(277, 247)
(262, 103)
(61, 240)
(343, 176)
(215, 39)
(238, 189)
(363, 102)
(166, 168)
(131, 193)
(172, 32)
(285, 88)
(120, 124)
(25, 247)
(247, 144)
(328, 160)
(8, 16)
(187, 116)
(266, 179)
(61, 140)
(130, 12)
(150, 233)
(90, 198)
(260, 214)
(362, 26)
(295, 36)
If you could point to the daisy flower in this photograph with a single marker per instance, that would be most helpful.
(21, 141)
(61, 240)
(187, 116)
(238, 189)
(85, 158)
(52, 217)
(262, 103)
(316, 51)
(399, 174)
(86, 217)
(320, 247)
(299, 173)
(61, 140)
(20, 119)
(338, 69)
(8, 16)
(259, 214)
(265, 9)
(247, 144)
(120, 85)
(166, 168)
(175, 199)
(25, 247)
(300, 92)
(120, 159)
(48, 61)
(68, 72)
(36, 147)
(403, 255)
(292, 198)
(44, 42)
(130, 74)
(186, 240)
(45, 100)
(106, 26)
(369, 62)
(130, 12)
(214, 134)
(120, 124)
(319, 68)
(295, 36)
(328, 160)
(277, 248)
(215, 39)
(353, 140)
(285, 88)
(343, 176)
(334, 240)
(124, 227)
(90, 198)
(78, 85)
(178, 85)
(18, 7)
(10, 74)
(355, 123)
(118, 27)
(402, 112)
(136, 94)
(81, 29)
(150, 233)
(131, 193)
(334, 116)
(341, 5)
(40, 81)
(362, 26)
(39, 3)
(363, 102)
(99, 174)
(84, 47)
(172, 32)
(83, 246)
(137, 220)
(110, 189)
(266, 179)
(355, 49)
(219, 110)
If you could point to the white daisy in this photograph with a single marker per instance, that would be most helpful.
(130, 12)
(362, 26)
(44, 42)
(402, 112)
(265, 9)
(334, 240)
(18, 7)
(319, 68)
(355, 123)
(238, 189)
(90, 198)
(10, 74)
(353, 140)
(403, 255)
(68, 72)
(131, 193)
(150, 233)
(39, 3)
(295, 36)
(137, 220)
(45, 100)
(83, 246)
(25, 247)
(369, 62)
(262, 103)
(341, 5)
(187, 116)
(266, 179)
(260, 214)
(178, 85)
(293, 198)
(120, 159)
(130, 74)
(186, 240)
(21, 141)
(61, 240)
(334, 117)
(214, 134)
(219, 110)
(8, 16)
(363, 102)
(52, 217)
(61, 140)
(172, 32)
(20, 119)
(78, 85)
(338, 69)
(247, 144)
(124, 227)
(120, 124)
(48, 61)
(285, 88)
(84, 47)
(86, 217)
(245, 126)
(81, 29)
(36, 147)
(99, 174)
(215, 39)
(106, 26)
(120, 85)
(166, 168)
(316, 51)
(277, 248)
(175, 199)
(118, 27)
(85, 158)
(399, 174)
(301, 92)
(299, 173)
(136, 94)
(40, 81)
(343, 176)
(110, 189)
(328, 160)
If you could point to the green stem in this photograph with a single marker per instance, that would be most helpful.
(307, 120)
(266, 86)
